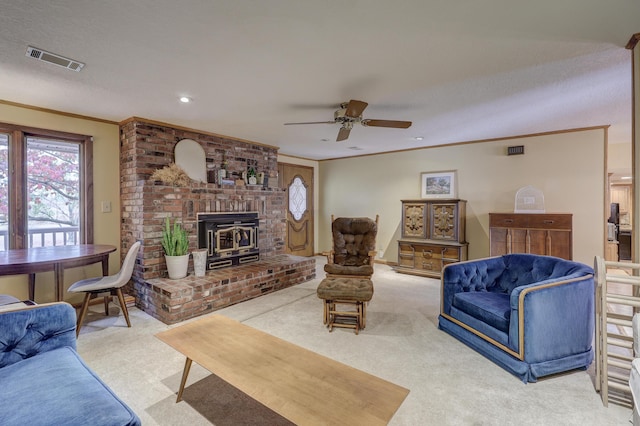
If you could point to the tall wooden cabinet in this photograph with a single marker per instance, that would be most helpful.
(433, 235)
(536, 233)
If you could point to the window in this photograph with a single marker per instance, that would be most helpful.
(297, 198)
(45, 181)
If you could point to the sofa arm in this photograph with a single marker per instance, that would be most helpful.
(472, 275)
(36, 329)
(552, 319)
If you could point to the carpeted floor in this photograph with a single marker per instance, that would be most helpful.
(450, 384)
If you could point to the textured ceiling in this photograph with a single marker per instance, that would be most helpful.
(460, 70)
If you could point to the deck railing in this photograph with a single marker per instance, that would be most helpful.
(45, 237)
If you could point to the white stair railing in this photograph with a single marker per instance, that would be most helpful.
(617, 299)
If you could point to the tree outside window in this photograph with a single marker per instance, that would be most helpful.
(54, 193)
(53, 188)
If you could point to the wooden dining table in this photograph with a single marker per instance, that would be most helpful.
(56, 258)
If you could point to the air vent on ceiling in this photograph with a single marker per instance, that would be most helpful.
(52, 58)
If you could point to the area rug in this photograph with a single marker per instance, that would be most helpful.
(224, 405)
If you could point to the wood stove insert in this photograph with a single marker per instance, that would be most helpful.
(230, 238)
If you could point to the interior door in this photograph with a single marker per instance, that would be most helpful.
(298, 183)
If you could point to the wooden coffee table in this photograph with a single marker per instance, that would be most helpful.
(300, 385)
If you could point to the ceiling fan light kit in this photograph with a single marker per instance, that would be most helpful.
(350, 113)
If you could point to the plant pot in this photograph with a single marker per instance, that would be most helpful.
(252, 180)
(199, 262)
(177, 266)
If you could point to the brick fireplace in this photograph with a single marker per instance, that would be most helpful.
(147, 146)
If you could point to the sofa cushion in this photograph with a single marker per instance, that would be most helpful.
(493, 309)
(64, 390)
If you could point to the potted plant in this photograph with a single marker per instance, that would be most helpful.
(175, 242)
(252, 176)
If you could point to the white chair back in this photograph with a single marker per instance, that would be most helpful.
(126, 271)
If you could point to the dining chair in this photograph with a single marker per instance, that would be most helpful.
(112, 284)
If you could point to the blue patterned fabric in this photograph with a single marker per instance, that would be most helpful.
(29, 332)
(485, 301)
(43, 381)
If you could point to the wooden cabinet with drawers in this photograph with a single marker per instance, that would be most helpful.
(433, 235)
(536, 233)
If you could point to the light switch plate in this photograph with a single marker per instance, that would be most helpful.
(106, 207)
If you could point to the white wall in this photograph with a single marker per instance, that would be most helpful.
(568, 167)
(619, 157)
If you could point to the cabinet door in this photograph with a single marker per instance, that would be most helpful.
(560, 244)
(498, 241)
(621, 194)
(515, 240)
(537, 242)
(414, 220)
(519, 241)
(443, 220)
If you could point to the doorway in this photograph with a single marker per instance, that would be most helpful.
(297, 181)
(620, 202)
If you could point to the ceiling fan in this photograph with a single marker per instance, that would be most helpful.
(350, 113)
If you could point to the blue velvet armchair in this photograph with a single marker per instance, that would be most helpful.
(532, 315)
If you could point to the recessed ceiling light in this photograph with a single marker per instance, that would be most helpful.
(185, 99)
(626, 177)
(324, 140)
(418, 138)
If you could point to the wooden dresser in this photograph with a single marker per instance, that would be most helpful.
(433, 235)
(536, 233)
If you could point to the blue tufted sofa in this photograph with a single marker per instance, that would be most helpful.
(532, 315)
(43, 381)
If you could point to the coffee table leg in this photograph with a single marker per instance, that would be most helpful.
(185, 374)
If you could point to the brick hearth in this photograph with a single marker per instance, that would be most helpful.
(173, 301)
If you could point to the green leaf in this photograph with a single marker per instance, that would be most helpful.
(175, 240)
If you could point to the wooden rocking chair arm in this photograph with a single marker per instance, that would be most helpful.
(329, 255)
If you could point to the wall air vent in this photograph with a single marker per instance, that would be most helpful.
(515, 150)
(52, 58)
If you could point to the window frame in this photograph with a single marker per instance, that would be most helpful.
(17, 198)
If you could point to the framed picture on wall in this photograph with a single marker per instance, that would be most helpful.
(435, 185)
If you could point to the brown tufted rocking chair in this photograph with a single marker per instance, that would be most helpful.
(354, 247)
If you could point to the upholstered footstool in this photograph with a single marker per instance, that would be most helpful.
(345, 291)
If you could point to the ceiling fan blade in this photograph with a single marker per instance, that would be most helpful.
(343, 134)
(312, 122)
(354, 108)
(387, 123)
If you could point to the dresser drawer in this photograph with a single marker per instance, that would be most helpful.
(428, 258)
(425, 251)
(508, 221)
(550, 221)
(406, 255)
